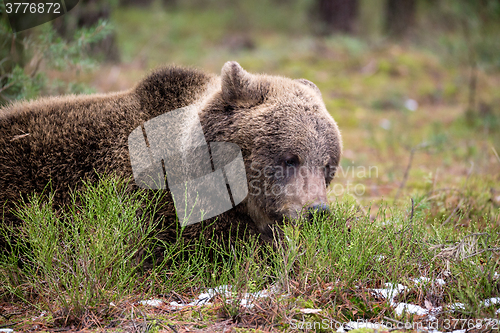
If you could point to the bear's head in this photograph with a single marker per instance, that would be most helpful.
(291, 145)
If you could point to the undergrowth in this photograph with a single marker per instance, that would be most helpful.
(83, 262)
(90, 263)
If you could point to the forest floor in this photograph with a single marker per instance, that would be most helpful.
(418, 195)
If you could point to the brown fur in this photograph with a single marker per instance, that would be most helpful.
(274, 120)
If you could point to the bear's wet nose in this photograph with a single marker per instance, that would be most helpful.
(320, 210)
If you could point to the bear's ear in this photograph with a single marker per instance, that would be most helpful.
(309, 84)
(240, 87)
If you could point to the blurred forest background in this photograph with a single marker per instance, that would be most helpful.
(413, 84)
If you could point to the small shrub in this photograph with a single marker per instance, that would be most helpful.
(81, 257)
(26, 56)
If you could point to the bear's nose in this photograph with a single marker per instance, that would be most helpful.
(321, 209)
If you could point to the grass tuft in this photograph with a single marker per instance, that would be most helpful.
(78, 259)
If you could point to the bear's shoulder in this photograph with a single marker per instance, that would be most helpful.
(172, 87)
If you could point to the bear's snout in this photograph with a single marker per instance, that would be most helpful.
(319, 209)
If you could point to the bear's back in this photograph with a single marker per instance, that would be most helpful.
(64, 140)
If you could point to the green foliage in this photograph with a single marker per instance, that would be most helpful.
(330, 263)
(82, 257)
(469, 30)
(25, 58)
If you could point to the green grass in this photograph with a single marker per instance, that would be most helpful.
(81, 258)
(76, 261)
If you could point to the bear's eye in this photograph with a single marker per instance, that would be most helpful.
(291, 161)
(329, 172)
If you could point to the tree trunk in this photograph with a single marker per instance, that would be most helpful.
(85, 15)
(136, 3)
(400, 17)
(337, 15)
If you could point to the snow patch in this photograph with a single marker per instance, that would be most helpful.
(491, 301)
(424, 280)
(152, 302)
(246, 300)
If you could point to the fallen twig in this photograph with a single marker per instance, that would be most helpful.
(411, 218)
(172, 327)
(464, 249)
(479, 252)
(412, 210)
(10, 324)
(495, 152)
(453, 212)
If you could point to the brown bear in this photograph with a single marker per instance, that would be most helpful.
(290, 144)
